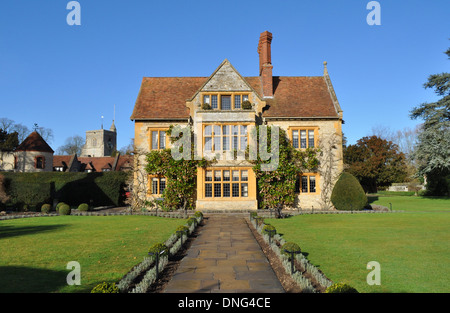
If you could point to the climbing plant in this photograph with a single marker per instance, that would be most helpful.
(276, 187)
(180, 173)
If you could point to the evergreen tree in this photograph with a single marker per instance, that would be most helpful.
(433, 149)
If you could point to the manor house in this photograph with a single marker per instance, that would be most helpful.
(223, 107)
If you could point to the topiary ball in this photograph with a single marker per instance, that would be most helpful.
(341, 288)
(158, 248)
(268, 230)
(348, 194)
(83, 207)
(290, 247)
(46, 208)
(64, 209)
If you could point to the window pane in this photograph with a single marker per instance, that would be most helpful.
(235, 142)
(226, 190)
(39, 162)
(243, 143)
(244, 98)
(235, 175)
(208, 143)
(208, 176)
(155, 186)
(235, 130)
(311, 138)
(217, 139)
(295, 138)
(214, 101)
(208, 190)
(162, 185)
(235, 190)
(217, 176)
(237, 101)
(154, 140)
(208, 130)
(303, 139)
(304, 184)
(243, 130)
(226, 143)
(206, 99)
(226, 175)
(217, 190)
(244, 175)
(312, 184)
(244, 190)
(226, 102)
(162, 140)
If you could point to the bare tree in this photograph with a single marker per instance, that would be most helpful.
(137, 182)
(72, 145)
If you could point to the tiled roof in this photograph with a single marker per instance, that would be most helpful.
(165, 97)
(34, 142)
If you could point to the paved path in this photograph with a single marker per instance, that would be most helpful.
(225, 257)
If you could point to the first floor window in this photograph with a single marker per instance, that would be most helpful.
(158, 138)
(303, 138)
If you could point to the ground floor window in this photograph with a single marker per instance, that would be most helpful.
(158, 185)
(226, 183)
(307, 183)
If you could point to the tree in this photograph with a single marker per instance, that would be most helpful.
(375, 162)
(433, 149)
(8, 141)
(72, 145)
(276, 188)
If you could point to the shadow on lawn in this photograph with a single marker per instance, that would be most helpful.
(13, 231)
(21, 279)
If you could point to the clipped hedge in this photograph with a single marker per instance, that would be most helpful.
(341, 288)
(34, 189)
(348, 194)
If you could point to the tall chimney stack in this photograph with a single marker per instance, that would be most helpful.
(265, 63)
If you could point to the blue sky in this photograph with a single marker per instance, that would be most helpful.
(66, 77)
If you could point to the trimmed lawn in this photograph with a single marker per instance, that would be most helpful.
(413, 248)
(34, 252)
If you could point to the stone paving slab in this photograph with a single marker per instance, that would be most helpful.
(225, 257)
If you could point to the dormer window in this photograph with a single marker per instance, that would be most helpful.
(225, 101)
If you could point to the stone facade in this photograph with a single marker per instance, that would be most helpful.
(299, 105)
(100, 143)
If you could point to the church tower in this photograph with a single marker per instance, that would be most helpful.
(100, 143)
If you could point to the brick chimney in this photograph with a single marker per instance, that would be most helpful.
(265, 63)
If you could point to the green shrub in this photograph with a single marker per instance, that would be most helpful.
(183, 229)
(159, 248)
(191, 220)
(246, 105)
(253, 214)
(59, 205)
(268, 228)
(105, 288)
(46, 208)
(206, 106)
(341, 288)
(64, 209)
(198, 214)
(83, 207)
(291, 247)
(348, 194)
